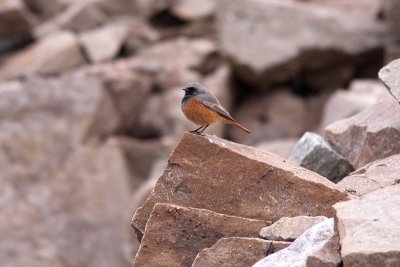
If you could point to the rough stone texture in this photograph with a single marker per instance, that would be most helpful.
(56, 190)
(174, 235)
(51, 55)
(390, 77)
(277, 115)
(237, 252)
(334, 36)
(280, 147)
(288, 229)
(369, 229)
(374, 176)
(212, 173)
(297, 253)
(104, 43)
(361, 95)
(327, 256)
(315, 154)
(370, 135)
(193, 9)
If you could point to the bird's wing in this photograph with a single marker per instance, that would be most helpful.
(217, 108)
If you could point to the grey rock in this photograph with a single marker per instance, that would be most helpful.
(297, 253)
(373, 176)
(327, 256)
(237, 252)
(390, 77)
(242, 32)
(369, 229)
(314, 153)
(368, 136)
(290, 228)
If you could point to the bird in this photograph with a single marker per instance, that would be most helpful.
(203, 108)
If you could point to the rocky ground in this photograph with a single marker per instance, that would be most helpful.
(90, 110)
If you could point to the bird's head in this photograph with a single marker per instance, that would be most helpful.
(193, 89)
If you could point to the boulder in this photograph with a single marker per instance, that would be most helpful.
(174, 235)
(53, 54)
(361, 94)
(368, 136)
(337, 38)
(389, 75)
(237, 252)
(373, 176)
(289, 229)
(59, 191)
(327, 256)
(212, 173)
(297, 253)
(276, 115)
(104, 43)
(369, 229)
(280, 147)
(315, 154)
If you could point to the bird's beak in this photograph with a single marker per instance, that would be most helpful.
(184, 89)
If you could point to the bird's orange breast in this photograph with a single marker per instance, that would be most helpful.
(199, 113)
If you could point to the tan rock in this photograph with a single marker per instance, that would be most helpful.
(104, 43)
(369, 229)
(193, 9)
(212, 173)
(174, 235)
(288, 229)
(53, 54)
(237, 252)
(368, 136)
(373, 176)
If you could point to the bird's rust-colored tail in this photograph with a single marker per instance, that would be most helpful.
(235, 123)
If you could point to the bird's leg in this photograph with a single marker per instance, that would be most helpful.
(205, 127)
(197, 130)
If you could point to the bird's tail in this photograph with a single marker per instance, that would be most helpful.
(235, 123)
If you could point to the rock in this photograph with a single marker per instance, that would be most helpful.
(105, 43)
(277, 115)
(392, 15)
(389, 76)
(193, 9)
(297, 253)
(140, 35)
(141, 155)
(369, 229)
(129, 91)
(15, 19)
(280, 147)
(327, 256)
(289, 229)
(294, 48)
(53, 54)
(237, 252)
(78, 16)
(370, 135)
(174, 235)
(238, 180)
(45, 9)
(370, 8)
(58, 191)
(315, 154)
(373, 176)
(362, 94)
(392, 52)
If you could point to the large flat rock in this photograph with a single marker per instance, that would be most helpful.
(174, 235)
(212, 173)
(369, 229)
(368, 136)
(237, 252)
